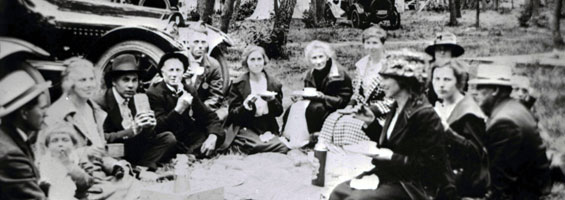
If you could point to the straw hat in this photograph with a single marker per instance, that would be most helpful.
(446, 39)
(17, 89)
(406, 63)
(125, 63)
(490, 74)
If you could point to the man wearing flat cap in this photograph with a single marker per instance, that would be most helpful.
(179, 109)
(134, 128)
(23, 102)
(519, 168)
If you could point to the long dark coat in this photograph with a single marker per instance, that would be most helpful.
(518, 165)
(19, 177)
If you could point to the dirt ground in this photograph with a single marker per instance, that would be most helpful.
(278, 176)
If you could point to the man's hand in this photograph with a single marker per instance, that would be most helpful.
(295, 98)
(183, 102)
(209, 145)
(144, 121)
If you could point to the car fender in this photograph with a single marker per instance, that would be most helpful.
(121, 34)
(359, 8)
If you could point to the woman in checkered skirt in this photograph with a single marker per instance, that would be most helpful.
(344, 127)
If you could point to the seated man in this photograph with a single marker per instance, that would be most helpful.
(179, 109)
(143, 146)
(204, 72)
(519, 168)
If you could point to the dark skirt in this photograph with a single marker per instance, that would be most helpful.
(247, 141)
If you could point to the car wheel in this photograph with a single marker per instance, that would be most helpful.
(355, 19)
(148, 56)
(394, 21)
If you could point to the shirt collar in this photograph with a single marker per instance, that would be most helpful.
(192, 59)
(22, 134)
(119, 99)
(173, 89)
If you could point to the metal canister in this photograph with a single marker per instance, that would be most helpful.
(320, 153)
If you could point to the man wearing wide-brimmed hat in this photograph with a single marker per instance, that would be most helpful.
(134, 128)
(445, 47)
(519, 168)
(23, 102)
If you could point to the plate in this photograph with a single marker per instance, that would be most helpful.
(302, 93)
(267, 94)
(367, 148)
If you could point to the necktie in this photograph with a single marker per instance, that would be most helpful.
(127, 118)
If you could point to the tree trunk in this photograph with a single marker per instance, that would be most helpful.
(280, 28)
(557, 38)
(452, 13)
(535, 8)
(226, 15)
(318, 7)
(478, 6)
(458, 8)
(206, 9)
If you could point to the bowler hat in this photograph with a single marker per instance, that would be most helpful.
(125, 63)
(173, 55)
(17, 89)
(490, 74)
(446, 39)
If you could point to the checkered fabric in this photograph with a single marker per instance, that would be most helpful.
(342, 130)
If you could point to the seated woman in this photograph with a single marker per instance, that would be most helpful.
(80, 83)
(333, 90)
(465, 127)
(255, 100)
(410, 160)
(58, 164)
(343, 126)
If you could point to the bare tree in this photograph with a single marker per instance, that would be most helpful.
(226, 15)
(557, 38)
(281, 26)
(458, 8)
(318, 6)
(478, 7)
(452, 13)
(206, 9)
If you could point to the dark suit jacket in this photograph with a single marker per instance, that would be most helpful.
(516, 151)
(210, 86)
(113, 122)
(337, 87)
(242, 117)
(203, 120)
(465, 139)
(419, 161)
(19, 177)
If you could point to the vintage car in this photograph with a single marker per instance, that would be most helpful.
(363, 13)
(100, 30)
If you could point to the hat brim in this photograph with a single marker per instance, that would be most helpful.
(489, 82)
(456, 50)
(25, 98)
(108, 76)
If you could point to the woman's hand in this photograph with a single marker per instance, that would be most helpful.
(365, 114)
(383, 154)
(249, 101)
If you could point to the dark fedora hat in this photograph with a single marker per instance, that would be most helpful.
(122, 64)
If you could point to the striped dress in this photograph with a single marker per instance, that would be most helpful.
(343, 129)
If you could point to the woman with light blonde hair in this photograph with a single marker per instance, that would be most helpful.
(327, 87)
(80, 82)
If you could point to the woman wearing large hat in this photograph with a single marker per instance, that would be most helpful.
(409, 159)
(445, 47)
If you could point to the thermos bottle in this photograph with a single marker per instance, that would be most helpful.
(320, 152)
